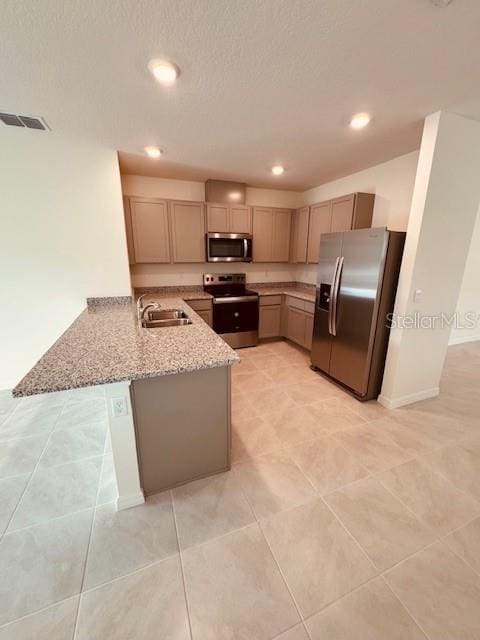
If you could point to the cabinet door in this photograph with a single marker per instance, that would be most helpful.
(188, 231)
(150, 230)
(240, 219)
(269, 322)
(308, 331)
(128, 229)
(206, 315)
(320, 222)
(295, 325)
(300, 234)
(342, 213)
(262, 234)
(282, 220)
(218, 218)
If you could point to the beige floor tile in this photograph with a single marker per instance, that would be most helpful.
(372, 448)
(382, 525)
(146, 605)
(11, 490)
(55, 623)
(235, 589)
(295, 633)
(327, 464)
(252, 437)
(268, 362)
(371, 410)
(460, 463)
(288, 374)
(246, 365)
(271, 400)
(36, 421)
(294, 425)
(305, 393)
(411, 441)
(332, 416)
(42, 565)
(372, 612)
(20, 455)
(465, 542)
(108, 489)
(80, 412)
(252, 381)
(433, 421)
(58, 491)
(273, 482)
(318, 558)
(440, 592)
(124, 541)
(433, 498)
(209, 508)
(68, 445)
(241, 407)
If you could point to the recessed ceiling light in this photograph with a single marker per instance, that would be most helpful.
(360, 120)
(165, 72)
(153, 152)
(277, 170)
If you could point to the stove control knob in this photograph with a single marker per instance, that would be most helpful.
(236, 314)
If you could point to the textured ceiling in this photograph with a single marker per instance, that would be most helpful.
(263, 81)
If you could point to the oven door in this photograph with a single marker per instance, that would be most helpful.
(229, 247)
(233, 315)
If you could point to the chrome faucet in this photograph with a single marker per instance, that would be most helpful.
(141, 310)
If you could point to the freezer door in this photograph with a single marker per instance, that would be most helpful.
(330, 252)
(360, 278)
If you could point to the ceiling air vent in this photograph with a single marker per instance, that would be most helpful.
(23, 121)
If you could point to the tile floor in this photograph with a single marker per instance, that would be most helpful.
(338, 520)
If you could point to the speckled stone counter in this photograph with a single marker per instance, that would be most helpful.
(105, 345)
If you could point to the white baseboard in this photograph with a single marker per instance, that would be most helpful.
(462, 339)
(394, 403)
(125, 502)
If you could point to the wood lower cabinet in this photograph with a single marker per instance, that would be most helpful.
(309, 318)
(188, 231)
(204, 309)
(225, 218)
(150, 230)
(270, 317)
(298, 321)
(271, 234)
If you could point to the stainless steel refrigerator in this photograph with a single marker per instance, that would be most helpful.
(356, 286)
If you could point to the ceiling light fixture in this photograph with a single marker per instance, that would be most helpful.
(359, 120)
(153, 152)
(277, 170)
(165, 72)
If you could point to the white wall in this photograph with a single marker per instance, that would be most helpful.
(155, 275)
(468, 305)
(62, 240)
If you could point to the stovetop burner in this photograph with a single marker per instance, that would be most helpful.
(226, 285)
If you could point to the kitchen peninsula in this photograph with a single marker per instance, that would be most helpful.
(174, 381)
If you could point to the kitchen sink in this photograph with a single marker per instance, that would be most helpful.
(157, 318)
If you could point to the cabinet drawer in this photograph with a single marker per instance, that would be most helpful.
(295, 303)
(206, 315)
(309, 307)
(200, 305)
(268, 301)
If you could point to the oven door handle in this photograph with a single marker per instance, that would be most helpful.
(235, 299)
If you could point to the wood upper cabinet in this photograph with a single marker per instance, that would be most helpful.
(225, 218)
(149, 228)
(271, 234)
(188, 231)
(300, 235)
(342, 213)
(218, 218)
(240, 218)
(262, 234)
(320, 222)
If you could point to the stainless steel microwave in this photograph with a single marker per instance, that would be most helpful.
(229, 247)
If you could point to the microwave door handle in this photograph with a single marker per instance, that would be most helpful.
(330, 301)
(336, 288)
(245, 248)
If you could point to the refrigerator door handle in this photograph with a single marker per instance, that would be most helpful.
(332, 297)
(336, 286)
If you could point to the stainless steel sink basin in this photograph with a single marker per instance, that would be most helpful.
(158, 318)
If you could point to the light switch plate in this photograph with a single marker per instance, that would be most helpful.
(417, 296)
(119, 407)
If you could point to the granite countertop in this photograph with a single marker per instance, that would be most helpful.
(105, 344)
(272, 290)
(300, 290)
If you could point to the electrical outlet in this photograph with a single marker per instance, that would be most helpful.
(119, 407)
